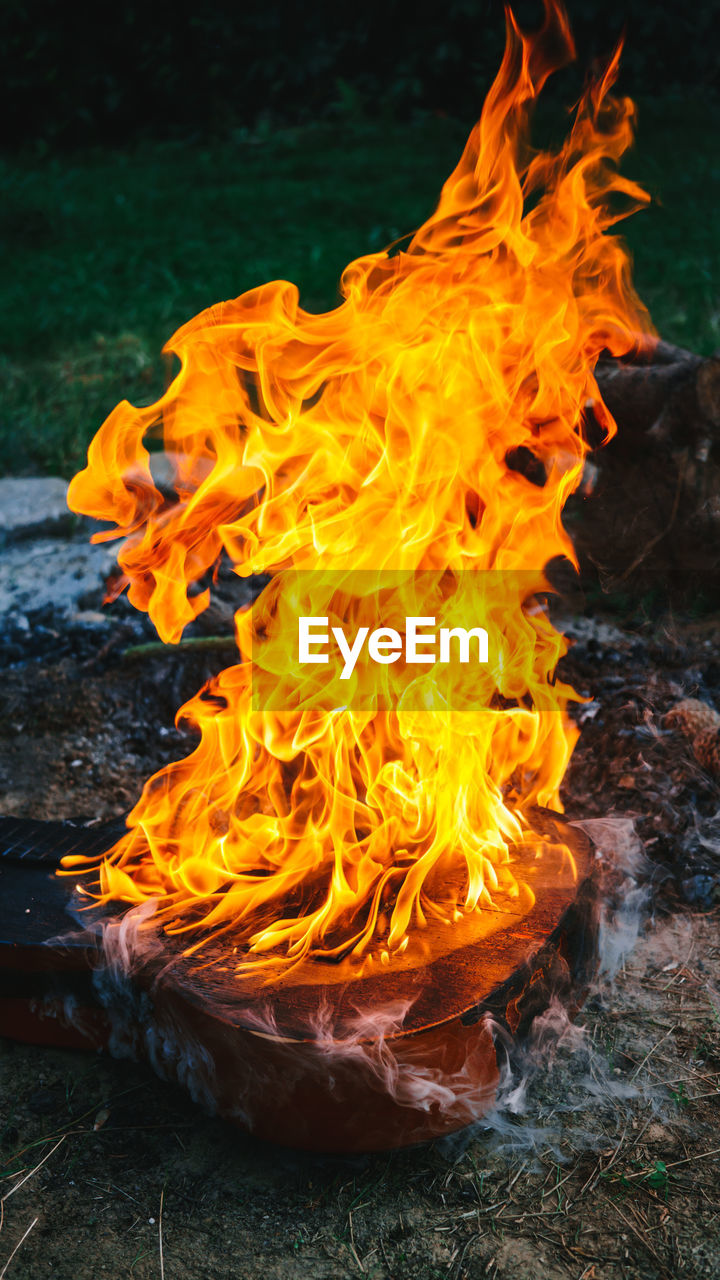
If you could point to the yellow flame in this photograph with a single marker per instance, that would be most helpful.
(378, 437)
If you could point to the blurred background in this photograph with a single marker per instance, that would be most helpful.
(159, 157)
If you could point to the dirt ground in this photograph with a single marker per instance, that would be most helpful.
(602, 1160)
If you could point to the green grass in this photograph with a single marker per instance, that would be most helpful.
(108, 253)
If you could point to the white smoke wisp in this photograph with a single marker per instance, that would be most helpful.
(558, 1088)
(129, 942)
(519, 1095)
(149, 1002)
(372, 1043)
(127, 939)
(625, 890)
(124, 942)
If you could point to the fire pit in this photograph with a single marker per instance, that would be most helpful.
(314, 918)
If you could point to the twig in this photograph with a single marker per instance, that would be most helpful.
(562, 1181)
(499, 1204)
(160, 1239)
(17, 1246)
(22, 1181)
(353, 1250)
(152, 648)
(673, 1164)
(457, 1262)
(90, 1133)
(650, 1052)
(597, 1170)
(95, 1182)
(640, 1235)
(522, 1169)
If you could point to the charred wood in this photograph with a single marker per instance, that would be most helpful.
(650, 518)
(664, 397)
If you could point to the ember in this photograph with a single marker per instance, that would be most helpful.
(381, 438)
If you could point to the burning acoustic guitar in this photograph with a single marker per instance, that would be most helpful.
(334, 915)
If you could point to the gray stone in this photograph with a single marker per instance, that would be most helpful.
(56, 572)
(34, 508)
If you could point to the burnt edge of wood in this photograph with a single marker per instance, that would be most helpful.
(510, 975)
(562, 967)
(47, 959)
(669, 395)
(663, 398)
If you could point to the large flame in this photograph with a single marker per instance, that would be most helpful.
(383, 435)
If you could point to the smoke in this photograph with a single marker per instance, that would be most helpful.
(449, 1082)
(625, 896)
(559, 1089)
(233, 1057)
(557, 1094)
(364, 1082)
(122, 941)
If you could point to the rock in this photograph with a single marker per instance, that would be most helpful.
(33, 508)
(53, 573)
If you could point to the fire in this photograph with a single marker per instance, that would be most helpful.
(330, 451)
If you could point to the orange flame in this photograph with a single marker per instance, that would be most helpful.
(379, 436)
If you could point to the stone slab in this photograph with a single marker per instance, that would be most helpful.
(34, 507)
(67, 575)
